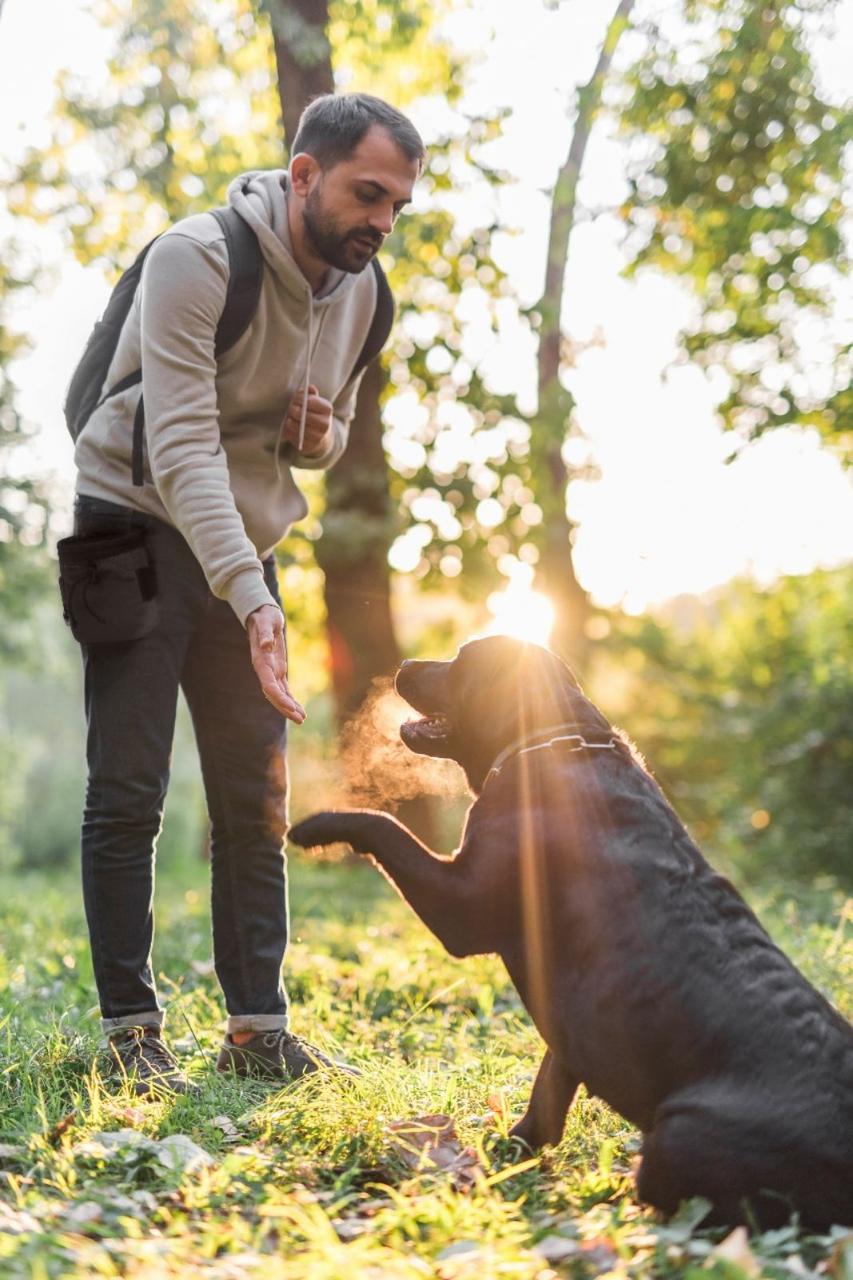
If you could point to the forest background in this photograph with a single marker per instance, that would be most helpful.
(620, 374)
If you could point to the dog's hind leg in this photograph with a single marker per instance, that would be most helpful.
(553, 1091)
(691, 1154)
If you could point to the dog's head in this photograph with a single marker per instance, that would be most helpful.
(495, 692)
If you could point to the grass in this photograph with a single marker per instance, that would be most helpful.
(310, 1181)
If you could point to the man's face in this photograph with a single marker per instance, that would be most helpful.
(350, 208)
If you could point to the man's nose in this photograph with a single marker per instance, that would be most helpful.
(382, 220)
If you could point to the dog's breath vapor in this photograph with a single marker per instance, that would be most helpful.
(379, 771)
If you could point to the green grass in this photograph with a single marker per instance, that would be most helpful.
(308, 1182)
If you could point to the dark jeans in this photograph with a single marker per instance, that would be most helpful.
(131, 694)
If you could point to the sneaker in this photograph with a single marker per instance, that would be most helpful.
(138, 1054)
(276, 1055)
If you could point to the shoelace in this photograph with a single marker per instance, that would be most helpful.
(141, 1047)
(280, 1038)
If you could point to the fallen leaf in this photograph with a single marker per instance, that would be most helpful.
(557, 1248)
(131, 1116)
(497, 1104)
(83, 1215)
(735, 1249)
(349, 1228)
(464, 1257)
(62, 1126)
(180, 1152)
(16, 1222)
(599, 1252)
(229, 1129)
(429, 1143)
(840, 1262)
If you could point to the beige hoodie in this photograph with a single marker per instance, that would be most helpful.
(215, 465)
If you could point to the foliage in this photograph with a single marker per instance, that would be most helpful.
(23, 505)
(746, 716)
(305, 1182)
(42, 760)
(739, 189)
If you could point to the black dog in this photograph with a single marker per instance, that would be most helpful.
(646, 973)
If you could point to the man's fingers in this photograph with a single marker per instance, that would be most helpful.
(277, 692)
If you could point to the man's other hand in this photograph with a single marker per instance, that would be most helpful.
(265, 629)
(318, 423)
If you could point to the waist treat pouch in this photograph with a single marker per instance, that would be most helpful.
(108, 586)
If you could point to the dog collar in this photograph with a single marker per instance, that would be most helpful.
(549, 738)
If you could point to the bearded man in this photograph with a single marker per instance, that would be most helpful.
(207, 472)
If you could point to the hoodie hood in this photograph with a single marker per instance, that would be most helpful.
(260, 198)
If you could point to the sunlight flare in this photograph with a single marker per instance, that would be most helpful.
(520, 611)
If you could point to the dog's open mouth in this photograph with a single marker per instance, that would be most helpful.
(425, 733)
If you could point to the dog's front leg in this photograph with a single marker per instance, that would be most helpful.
(553, 1091)
(435, 887)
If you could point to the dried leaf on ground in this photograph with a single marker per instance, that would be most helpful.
(430, 1143)
(16, 1222)
(229, 1129)
(61, 1127)
(350, 1228)
(735, 1249)
(557, 1248)
(840, 1262)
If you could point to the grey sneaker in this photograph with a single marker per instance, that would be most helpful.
(138, 1054)
(276, 1055)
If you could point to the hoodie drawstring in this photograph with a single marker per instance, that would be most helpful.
(305, 385)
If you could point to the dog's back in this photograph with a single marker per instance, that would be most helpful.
(666, 996)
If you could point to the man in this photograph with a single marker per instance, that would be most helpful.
(216, 495)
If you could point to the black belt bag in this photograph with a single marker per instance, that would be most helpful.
(108, 586)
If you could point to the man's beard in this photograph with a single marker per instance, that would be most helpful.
(336, 247)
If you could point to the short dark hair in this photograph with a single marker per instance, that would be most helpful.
(331, 127)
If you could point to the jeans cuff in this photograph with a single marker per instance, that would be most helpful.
(256, 1022)
(151, 1018)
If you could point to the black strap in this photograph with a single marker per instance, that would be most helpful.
(246, 274)
(245, 278)
(380, 326)
(136, 454)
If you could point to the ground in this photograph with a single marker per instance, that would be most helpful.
(314, 1181)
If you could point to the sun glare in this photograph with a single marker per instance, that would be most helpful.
(520, 611)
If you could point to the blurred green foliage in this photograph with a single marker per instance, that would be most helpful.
(745, 714)
(738, 188)
(742, 704)
(23, 505)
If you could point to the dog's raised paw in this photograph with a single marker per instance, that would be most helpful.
(319, 830)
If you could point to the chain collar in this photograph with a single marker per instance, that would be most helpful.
(549, 737)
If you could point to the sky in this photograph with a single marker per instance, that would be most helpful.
(667, 515)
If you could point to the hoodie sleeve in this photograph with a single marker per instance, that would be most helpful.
(183, 290)
(343, 410)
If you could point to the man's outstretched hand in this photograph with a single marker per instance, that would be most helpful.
(265, 629)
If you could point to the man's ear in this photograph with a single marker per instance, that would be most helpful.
(304, 171)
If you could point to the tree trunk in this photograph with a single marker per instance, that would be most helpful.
(556, 574)
(303, 57)
(358, 526)
(353, 554)
(357, 530)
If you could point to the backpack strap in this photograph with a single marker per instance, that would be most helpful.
(245, 277)
(246, 266)
(380, 327)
